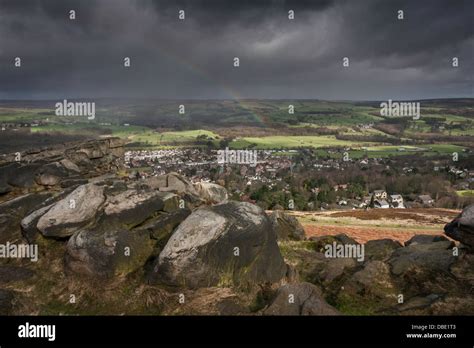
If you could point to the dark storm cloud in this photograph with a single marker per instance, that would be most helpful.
(279, 58)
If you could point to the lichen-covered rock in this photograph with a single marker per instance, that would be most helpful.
(114, 252)
(227, 244)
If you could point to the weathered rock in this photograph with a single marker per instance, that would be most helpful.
(179, 184)
(23, 204)
(24, 175)
(380, 249)
(69, 165)
(28, 224)
(300, 299)
(161, 228)
(211, 193)
(287, 226)
(437, 256)
(171, 201)
(202, 250)
(462, 227)
(425, 239)
(73, 213)
(107, 253)
(172, 182)
(131, 208)
(54, 169)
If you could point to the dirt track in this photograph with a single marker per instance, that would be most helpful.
(364, 234)
(365, 225)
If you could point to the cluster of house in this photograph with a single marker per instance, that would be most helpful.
(198, 164)
(16, 125)
(383, 200)
(380, 199)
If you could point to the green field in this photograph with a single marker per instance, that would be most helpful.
(274, 142)
(209, 120)
(465, 193)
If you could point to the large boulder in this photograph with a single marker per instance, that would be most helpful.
(437, 256)
(227, 244)
(73, 213)
(380, 249)
(299, 299)
(104, 254)
(132, 207)
(211, 193)
(462, 227)
(286, 226)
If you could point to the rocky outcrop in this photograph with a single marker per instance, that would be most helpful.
(161, 237)
(462, 227)
(286, 226)
(50, 166)
(300, 299)
(230, 243)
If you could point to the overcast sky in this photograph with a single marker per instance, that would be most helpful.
(279, 58)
